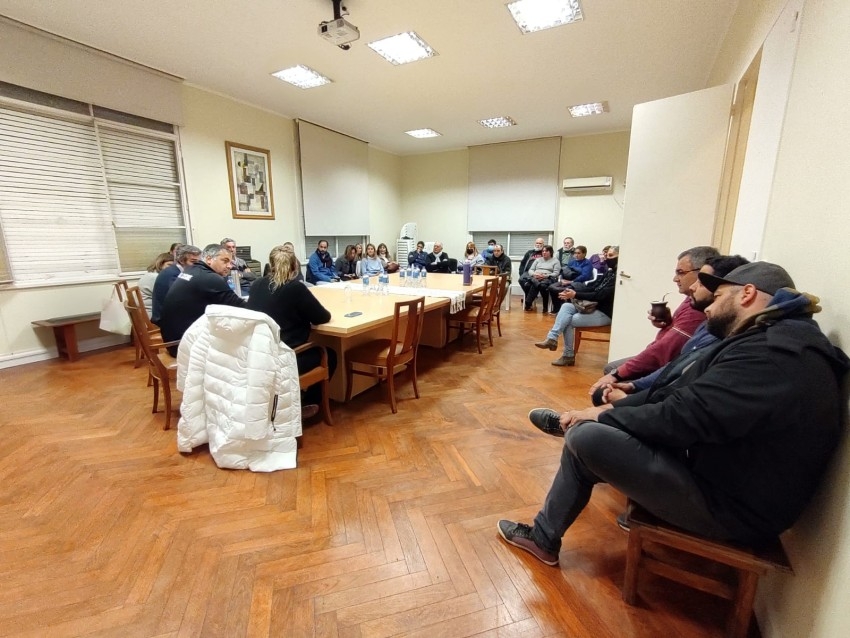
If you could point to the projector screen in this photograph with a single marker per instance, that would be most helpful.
(334, 182)
(514, 186)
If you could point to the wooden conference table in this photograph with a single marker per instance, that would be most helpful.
(343, 333)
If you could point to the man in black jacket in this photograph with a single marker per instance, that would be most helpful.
(735, 447)
(499, 259)
(438, 261)
(196, 288)
(530, 255)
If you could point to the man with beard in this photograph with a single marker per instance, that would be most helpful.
(734, 448)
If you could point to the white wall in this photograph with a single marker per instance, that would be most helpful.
(385, 201)
(593, 219)
(805, 231)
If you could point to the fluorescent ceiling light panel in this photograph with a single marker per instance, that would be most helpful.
(403, 48)
(423, 132)
(536, 15)
(302, 76)
(596, 108)
(497, 122)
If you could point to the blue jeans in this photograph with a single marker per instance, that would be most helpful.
(569, 318)
(651, 476)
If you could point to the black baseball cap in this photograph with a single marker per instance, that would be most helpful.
(763, 275)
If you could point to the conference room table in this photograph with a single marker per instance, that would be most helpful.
(344, 332)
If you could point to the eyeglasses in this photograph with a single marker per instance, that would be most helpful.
(679, 273)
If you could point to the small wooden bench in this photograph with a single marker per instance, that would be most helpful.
(579, 331)
(737, 582)
(64, 331)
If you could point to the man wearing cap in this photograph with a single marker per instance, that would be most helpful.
(734, 448)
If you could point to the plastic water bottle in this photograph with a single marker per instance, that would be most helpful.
(230, 283)
(346, 291)
(415, 278)
(422, 279)
(237, 282)
(385, 284)
(402, 281)
(365, 284)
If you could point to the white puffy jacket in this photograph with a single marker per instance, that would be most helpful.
(240, 390)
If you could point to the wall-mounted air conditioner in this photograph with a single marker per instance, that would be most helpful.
(588, 184)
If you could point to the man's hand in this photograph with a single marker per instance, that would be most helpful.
(566, 295)
(569, 419)
(608, 379)
(617, 391)
(660, 323)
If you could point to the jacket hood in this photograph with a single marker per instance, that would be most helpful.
(229, 322)
(789, 324)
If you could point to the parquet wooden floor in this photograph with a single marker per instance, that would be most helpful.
(386, 528)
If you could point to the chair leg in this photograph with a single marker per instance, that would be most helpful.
(576, 340)
(739, 622)
(499, 323)
(478, 336)
(633, 556)
(155, 395)
(391, 389)
(326, 406)
(490, 332)
(413, 373)
(166, 392)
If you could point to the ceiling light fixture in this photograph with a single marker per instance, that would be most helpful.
(423, 132)
(594, 108)
(302, 76)
(536, 15)
(497, 122)
(403, 48)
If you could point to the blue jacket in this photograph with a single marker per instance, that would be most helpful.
(417, 259)
(583, 267)
(320, 268)
(702, 338)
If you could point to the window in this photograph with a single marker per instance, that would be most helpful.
(516, 244)
(83, 193)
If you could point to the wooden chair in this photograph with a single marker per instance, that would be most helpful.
(504, 285)
(121, 289)
(482, 269)
(476, 316)
(319, 374)
(383, 358)
(162, 366)
(601, 330)
(651, 541)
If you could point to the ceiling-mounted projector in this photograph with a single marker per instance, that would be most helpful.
(339, 31)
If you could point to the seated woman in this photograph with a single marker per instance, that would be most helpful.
(291, 304)
(147, 280)
(540, 275)
(471, 255)
(569, 317)
(370, 265)
(346, 264)
(386, 259)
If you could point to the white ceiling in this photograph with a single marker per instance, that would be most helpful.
(624, 51)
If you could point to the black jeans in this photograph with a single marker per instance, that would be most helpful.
(596, 453)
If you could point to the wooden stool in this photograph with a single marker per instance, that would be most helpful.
(603, 330)
(739, 585)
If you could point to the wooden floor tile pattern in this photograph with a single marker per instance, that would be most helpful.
(386, 528)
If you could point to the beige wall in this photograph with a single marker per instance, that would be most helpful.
(385, 203)
(593, 219)
(807, 211)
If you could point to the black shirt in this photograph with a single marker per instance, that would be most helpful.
(292, 306)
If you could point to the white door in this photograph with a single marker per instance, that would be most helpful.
(673, 181)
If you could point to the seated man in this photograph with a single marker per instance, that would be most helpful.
(530, 256)
(701, 297)
(488, 252)
(540, 275)
(438, 261)
(418, 257)
(238, 264)
(732, 450)
(578, 270)
(201, 285)
(500, 260)
(566, 252)
(187, 256)
(673, 331)
(320, 266)
(346, 264)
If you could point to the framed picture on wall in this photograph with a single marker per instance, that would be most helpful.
(250, 173)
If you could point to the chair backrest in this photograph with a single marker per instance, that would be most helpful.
(411, 325)
(134, 297)
(483, 269)
(501, 291)
(488, 298)
(137, 318)
(121, 288)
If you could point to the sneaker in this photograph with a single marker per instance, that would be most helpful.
(519, 535)
(546, 420)
(622, 522)
(564, 361)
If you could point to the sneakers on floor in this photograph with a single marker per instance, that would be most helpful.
(564, 361)
(546, 420)
(519, 535)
